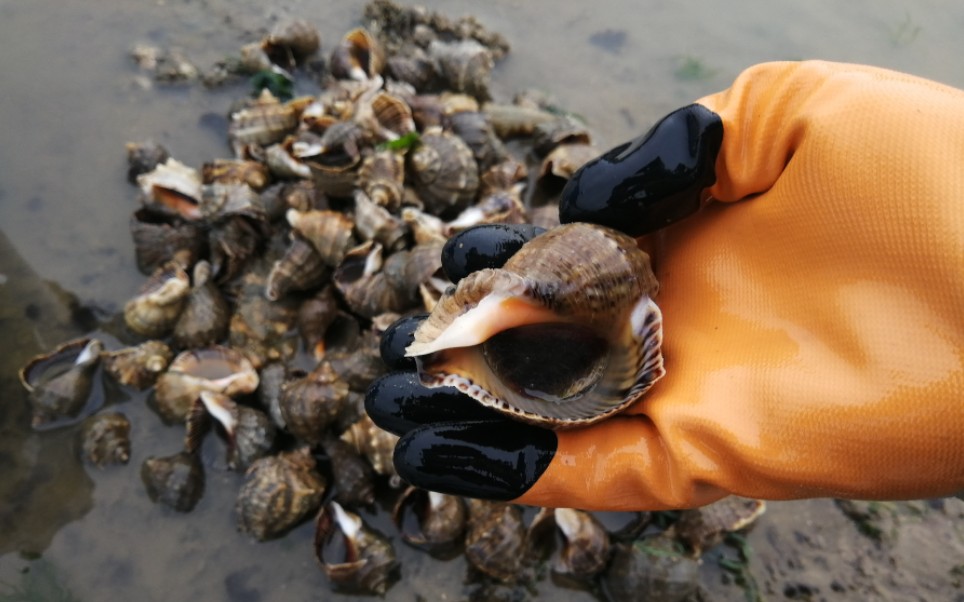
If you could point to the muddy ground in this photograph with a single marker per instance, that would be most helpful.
(71, 98)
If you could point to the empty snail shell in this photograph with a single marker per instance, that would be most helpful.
(250, 432)
(561, 163)
(282, 163)
(359, 56)
(366, 562)
(60, 382)
(172, 187)
(500, 207)
(564, 129)
(500, 198)
(220, 369)
(564, 335)
(426, 228)
(585, 547)
(428, 520)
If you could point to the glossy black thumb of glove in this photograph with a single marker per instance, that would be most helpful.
(651, 181)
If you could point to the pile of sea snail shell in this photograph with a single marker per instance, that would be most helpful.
(273, 273)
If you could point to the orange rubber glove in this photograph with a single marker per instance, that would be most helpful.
(813, 319)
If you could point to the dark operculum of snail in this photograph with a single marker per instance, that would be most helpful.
(565, 334)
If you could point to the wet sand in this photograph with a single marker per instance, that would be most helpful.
(70, 100)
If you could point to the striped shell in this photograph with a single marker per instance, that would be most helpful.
(565, 334)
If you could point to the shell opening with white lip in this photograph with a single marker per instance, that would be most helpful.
(565, 334)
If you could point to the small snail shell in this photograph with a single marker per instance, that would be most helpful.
(278, 493)
(367, 562)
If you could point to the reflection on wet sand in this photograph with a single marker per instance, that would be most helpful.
(43, 484)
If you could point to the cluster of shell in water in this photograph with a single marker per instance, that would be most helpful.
(272, 274)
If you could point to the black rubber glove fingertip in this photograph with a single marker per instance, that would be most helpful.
(399, 403)
(495, 460)
(396, 340)
(484, 246)
(651, 181)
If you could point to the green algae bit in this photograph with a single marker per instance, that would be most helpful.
(402, 143)
(278, 83)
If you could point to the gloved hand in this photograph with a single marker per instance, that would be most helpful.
(813, 309)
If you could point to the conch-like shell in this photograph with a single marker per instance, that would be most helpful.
(291, 42)
(564, 335)
(155, 310)
(60, 382)
(172, 187)
(138, 366)
(359, 56)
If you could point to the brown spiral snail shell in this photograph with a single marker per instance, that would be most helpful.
(565, 334)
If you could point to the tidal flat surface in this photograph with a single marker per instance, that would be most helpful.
(70, 98)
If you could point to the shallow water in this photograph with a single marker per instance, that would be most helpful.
(69, 100)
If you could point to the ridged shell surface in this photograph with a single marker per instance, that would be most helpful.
(564, 335)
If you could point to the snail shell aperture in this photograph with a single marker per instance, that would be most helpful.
(565, 334)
